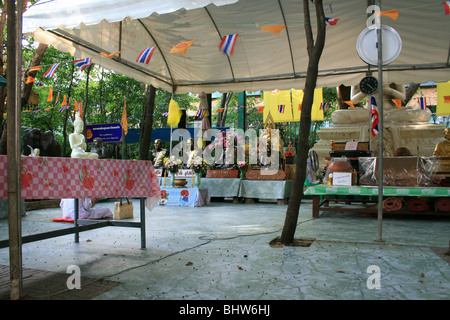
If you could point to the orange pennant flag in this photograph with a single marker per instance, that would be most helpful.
(80, 109)
(36, 68)
(393, 14)
(64, 101)
(50, 95)
(30, 80)
(276, 29)
(48, 109)
(124, 121)
(350, 103)
(220, 110)
(109, 55)
(75, 108)
(260, 109)
(182, 47)
(398, 103)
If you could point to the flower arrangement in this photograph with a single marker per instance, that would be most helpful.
(290, 151)
(242, 165)
(172, 164)
(197, 164)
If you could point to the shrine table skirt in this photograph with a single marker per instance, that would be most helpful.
(184, 197)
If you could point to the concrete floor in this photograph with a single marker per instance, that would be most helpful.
(222, 252)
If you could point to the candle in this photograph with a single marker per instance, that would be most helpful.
(165, 173)
(192, 178)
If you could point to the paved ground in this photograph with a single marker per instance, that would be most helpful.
(222, 252)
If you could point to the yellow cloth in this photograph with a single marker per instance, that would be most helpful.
(174, 115)
(297, 99)
(443, 103)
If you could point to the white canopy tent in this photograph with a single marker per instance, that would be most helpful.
(261, 60)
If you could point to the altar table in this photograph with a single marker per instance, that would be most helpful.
(222, 187)
(57, 177)
(266, 189)
(365, 192)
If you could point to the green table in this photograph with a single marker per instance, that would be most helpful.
(325, 191)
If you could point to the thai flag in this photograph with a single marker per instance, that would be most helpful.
(422, 103)
(51, 72)
(165, 114)
(145, 55)
(324, 106)
(330, 21)
(281, 108)
(228, 43)
(65, 106)
(83, 63)
(199, 113)
(446, 7)
(36, 111)
(375, 117)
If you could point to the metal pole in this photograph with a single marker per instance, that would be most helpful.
(380, 132)
(14, 31)
(142, 214)
(75, 218)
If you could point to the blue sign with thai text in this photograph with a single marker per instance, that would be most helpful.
(109, 132)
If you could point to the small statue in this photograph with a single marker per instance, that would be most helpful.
(34, 152)
(78, 142)
(98, 148)
(443, 148)
(158, 154)
(192, 152)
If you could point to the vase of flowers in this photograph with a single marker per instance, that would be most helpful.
(242, 166)
(172, 165)
(289, 154)
(199, 166)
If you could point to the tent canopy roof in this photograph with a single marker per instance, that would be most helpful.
(261, 60)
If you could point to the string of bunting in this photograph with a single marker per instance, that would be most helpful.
(226, 46)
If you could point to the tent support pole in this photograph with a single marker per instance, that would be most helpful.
(380, 133)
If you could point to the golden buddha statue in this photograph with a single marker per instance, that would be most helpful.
(443, 148)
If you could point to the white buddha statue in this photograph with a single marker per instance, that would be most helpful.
(78, 142)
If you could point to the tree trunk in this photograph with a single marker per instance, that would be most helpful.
(86, 98)
(147, 124)
(314, 53)
(66, 114)
(36, 61)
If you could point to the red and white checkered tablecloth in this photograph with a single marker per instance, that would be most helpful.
(55, 178)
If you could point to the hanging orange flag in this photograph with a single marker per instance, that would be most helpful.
(393, 14)
(36, 68)
(398, 102)
(80, 109)
(350, 103)
(124, 121)
(260, 109)
(48, 109)
(64, 101)
(276, 29)
(109, 55)
(75, 108)
(220, 110)
(182, 47)
(50, 95)
(30, 80)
